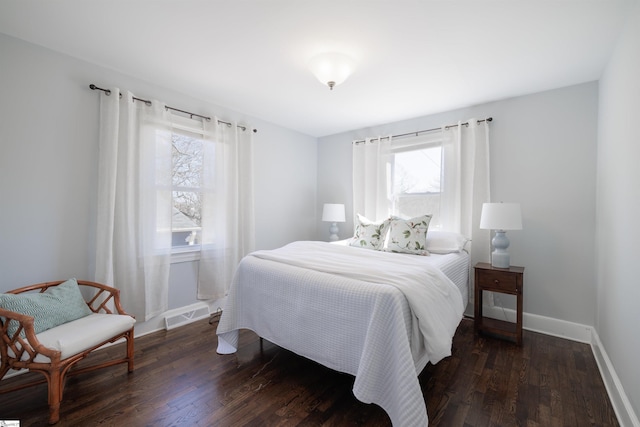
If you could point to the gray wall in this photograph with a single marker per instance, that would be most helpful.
(48, 176)
(543, 155)
(618, 210)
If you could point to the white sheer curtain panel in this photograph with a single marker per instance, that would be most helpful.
(465, 180)
(133, 239)
(371, 178)
(228, 225)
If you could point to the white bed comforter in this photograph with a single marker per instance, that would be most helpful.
(378, 316)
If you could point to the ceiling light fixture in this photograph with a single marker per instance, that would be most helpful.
(331, 68)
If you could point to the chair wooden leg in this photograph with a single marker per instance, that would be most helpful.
(130, 350)
(54, 380)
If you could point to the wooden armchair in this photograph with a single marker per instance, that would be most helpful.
(55, 351)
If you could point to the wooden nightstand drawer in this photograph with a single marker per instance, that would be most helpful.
(503, 281)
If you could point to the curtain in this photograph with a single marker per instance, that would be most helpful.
(371, 178)
(133, 238)
(227, 206)
(466, 185)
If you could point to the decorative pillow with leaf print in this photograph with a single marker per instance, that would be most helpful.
(408, 236)
(369, 234)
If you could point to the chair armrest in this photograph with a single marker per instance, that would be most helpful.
(104, 296)
(19, 344)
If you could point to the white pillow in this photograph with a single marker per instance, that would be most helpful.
(445, 242)
(369, 234)
(408, 236)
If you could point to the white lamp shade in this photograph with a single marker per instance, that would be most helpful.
(333, 212)
(501, 216)
(331, 67)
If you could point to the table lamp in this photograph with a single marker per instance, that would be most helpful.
(500, 217)
(333, 213)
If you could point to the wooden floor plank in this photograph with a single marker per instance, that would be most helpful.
(180, 380)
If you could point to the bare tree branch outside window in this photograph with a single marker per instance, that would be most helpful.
(187, 176)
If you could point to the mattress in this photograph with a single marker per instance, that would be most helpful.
(456, 267)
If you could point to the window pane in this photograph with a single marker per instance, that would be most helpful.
(187, 161)
(188, 203)
(186, 218)
(416, 183)
(412, 205)
(187, 170)
(417, 171)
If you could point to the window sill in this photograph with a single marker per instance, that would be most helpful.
(185, 254)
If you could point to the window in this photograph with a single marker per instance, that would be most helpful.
(187, 168)
(416, 170)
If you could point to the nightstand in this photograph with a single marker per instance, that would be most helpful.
(502, 280)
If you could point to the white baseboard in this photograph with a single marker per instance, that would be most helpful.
(619, 400)
(544, 325)
(580, 333)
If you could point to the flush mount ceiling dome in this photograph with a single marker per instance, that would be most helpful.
(331, 68)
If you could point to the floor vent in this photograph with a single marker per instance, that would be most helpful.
(179, 319)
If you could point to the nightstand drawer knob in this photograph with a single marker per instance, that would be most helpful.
(497, 282)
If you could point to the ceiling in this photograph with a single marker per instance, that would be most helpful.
(413, 58)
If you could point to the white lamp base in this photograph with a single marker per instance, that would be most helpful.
(500, 256)
(333, 229)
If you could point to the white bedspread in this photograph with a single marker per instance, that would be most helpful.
(347, 308)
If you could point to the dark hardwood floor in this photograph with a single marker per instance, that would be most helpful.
(179, 380)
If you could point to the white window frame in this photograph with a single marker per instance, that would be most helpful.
(194, 128)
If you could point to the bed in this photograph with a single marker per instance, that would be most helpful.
(377, 315)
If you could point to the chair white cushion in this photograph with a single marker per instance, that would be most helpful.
(78, 335)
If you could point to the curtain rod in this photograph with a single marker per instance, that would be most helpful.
(148, 103)
(488, 119)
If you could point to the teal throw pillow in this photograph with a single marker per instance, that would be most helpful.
(53, 307)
